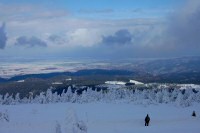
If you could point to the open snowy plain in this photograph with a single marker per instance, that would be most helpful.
(99, 117)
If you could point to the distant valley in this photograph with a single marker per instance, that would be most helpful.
(185, 70)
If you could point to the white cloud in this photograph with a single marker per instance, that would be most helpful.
(3, 36)
(84, 37)
(150, 35)
(24, 12)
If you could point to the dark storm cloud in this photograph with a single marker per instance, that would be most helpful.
(184, 28)
(121, 37)
(56, 39)
(53, 38)
(30, 42)
(3, 37)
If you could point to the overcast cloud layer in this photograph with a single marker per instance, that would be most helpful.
(114, 32)
(3, 37)
(184, 28)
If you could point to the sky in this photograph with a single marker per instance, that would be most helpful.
(99, 29)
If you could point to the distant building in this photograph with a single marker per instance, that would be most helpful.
(21, 81)
(115, 82)
(136, 82)
(130, 83)
(69, 79)
(57, 83)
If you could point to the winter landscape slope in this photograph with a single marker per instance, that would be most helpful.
(31, 107)
(100, 117)
(116, 110)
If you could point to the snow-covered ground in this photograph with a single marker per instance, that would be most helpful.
(100, 117)
(189, 86)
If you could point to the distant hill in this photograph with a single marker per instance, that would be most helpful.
(78, 73)
(185, 70)
(172, 65)
(2, 80)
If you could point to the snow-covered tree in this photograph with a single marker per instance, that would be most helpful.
(75, 97)
(152, 95)
(1, 99)
(136, 95)
(63, 96)
(8, 99)
(159, 97)
(81, 127)
(42, 98)
(174, 95)
(69, 94)
(73, 125)
(30, 97)
(58, 128)
(166, 96)
(49, 96)
(4, 116)
(84, 97)
(17, 99)
(55, 97)
(156, 94)
(179, 99)
(25, 100)
(197, 96)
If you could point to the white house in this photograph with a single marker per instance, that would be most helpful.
(136, 82)
(115, 82)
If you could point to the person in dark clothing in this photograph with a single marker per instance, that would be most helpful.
(193, 114)
(147, 120)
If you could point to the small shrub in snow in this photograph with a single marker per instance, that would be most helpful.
(4, 116)
(81, 127)
(58, 128)
(193, 114)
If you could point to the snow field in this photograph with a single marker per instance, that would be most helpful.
(101, 117)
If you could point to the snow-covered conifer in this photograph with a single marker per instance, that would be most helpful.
(17, 99)
(69, 94)
(84, 97)
(58, 128)
(179, 99)
(74, 97)
(30, 97)
(63, 96)
(55, 97)
(5, 99)
(49, 96)
(72, 124)
(1, 99)
(4, 116)
(42, 98)
(166, 96)
(159, 96)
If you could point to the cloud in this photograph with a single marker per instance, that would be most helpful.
(137, 10)
(3, 37)
(131, 35)
(85, 37)
(96, 11)
(183, 30)
(57, 39)
(22, 12)
(120, 37)
(30, 42)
